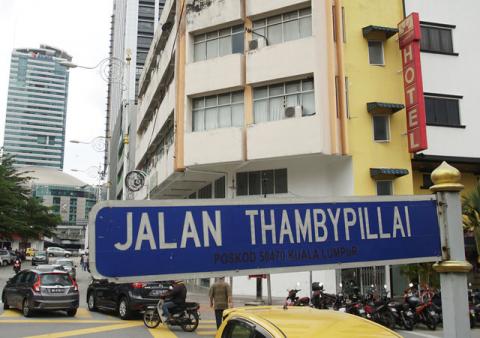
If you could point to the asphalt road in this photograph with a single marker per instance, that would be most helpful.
(107, 325)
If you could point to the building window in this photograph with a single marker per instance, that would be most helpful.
(375, 53)
(436, 39)
(218, 43)
(285, 27)
(41, 139)
(205, 192)
(219, 188)
(262, 182)
(217, 111)
(270, 102)
(384, 188)
(426, 181)
(381, 128)
(442, 111)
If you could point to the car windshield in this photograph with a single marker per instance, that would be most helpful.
(65, 263)
(55, 279)
(40, 253)
(3, 252)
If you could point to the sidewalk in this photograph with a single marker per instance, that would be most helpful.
(200, 295)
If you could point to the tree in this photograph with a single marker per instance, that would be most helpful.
(20, 213)
(423, 273)
(471, 214)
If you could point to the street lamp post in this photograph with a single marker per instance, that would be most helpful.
(98, 143)
(112, 70)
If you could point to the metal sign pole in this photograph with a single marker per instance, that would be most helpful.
(453, 267)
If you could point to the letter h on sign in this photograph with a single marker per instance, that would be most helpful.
(409, 40)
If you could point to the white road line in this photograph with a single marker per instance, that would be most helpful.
(419, 334)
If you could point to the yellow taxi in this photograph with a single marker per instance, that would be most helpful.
(297, 322)
(29, 251)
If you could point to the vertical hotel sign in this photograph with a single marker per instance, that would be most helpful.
(409, 39)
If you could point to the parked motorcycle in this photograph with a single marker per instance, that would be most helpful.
(293, 300)
(378, 310)
(186, 316)
(17, 265)
(321, 299)
(423, 309)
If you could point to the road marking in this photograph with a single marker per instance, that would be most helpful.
(162, 332)
(419, 334)
(83, 313)
(10, 314)
(88, 330)
(57, 321)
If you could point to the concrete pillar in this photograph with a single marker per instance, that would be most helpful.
(453, 267)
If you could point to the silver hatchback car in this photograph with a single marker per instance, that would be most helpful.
(58, 252)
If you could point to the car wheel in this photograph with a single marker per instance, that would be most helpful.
(91, 302)
(27, 312)
(71, 312)
(123, 310)
(67, 255)
(5, 304)
(50, 255)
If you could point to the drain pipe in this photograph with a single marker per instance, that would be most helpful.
(341, 76)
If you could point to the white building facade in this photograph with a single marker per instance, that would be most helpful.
(449, 69)
(225, 110)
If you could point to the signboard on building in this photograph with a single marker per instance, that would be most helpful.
(152, 240)
(409, 35)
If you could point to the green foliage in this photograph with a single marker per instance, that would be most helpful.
(20, 213)
(423, 273)
(471, 214)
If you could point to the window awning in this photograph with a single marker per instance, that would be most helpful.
(383, 107)
(387, 173)
(374, 32)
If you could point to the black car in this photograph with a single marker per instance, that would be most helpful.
(47, 289)
(124, 298)
(40, 257)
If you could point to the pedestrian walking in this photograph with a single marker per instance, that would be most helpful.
(82, 261)
(220, 294)
(85, 264)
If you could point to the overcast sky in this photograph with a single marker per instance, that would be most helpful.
(82, 29)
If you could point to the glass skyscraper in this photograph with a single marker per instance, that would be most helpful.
(37, 106)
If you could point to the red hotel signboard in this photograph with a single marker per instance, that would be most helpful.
(409, 39)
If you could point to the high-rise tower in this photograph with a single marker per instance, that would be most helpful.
(37, 106)
(133, 27)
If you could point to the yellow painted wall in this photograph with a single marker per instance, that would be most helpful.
(367, 83)
(468, 180)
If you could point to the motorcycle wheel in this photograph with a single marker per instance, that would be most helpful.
(388, 319)
(431, 322)
(408, 323)
(190, 322)
(151, 318)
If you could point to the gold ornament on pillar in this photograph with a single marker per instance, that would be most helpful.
(446, 178)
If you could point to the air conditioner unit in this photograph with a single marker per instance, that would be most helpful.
(256, 43)
(293, 111)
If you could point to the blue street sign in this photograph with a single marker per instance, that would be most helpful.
(132, 240)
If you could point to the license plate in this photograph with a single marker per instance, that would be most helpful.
(56, 290)
(155, 292)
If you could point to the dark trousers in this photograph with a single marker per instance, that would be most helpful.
(218, 317)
